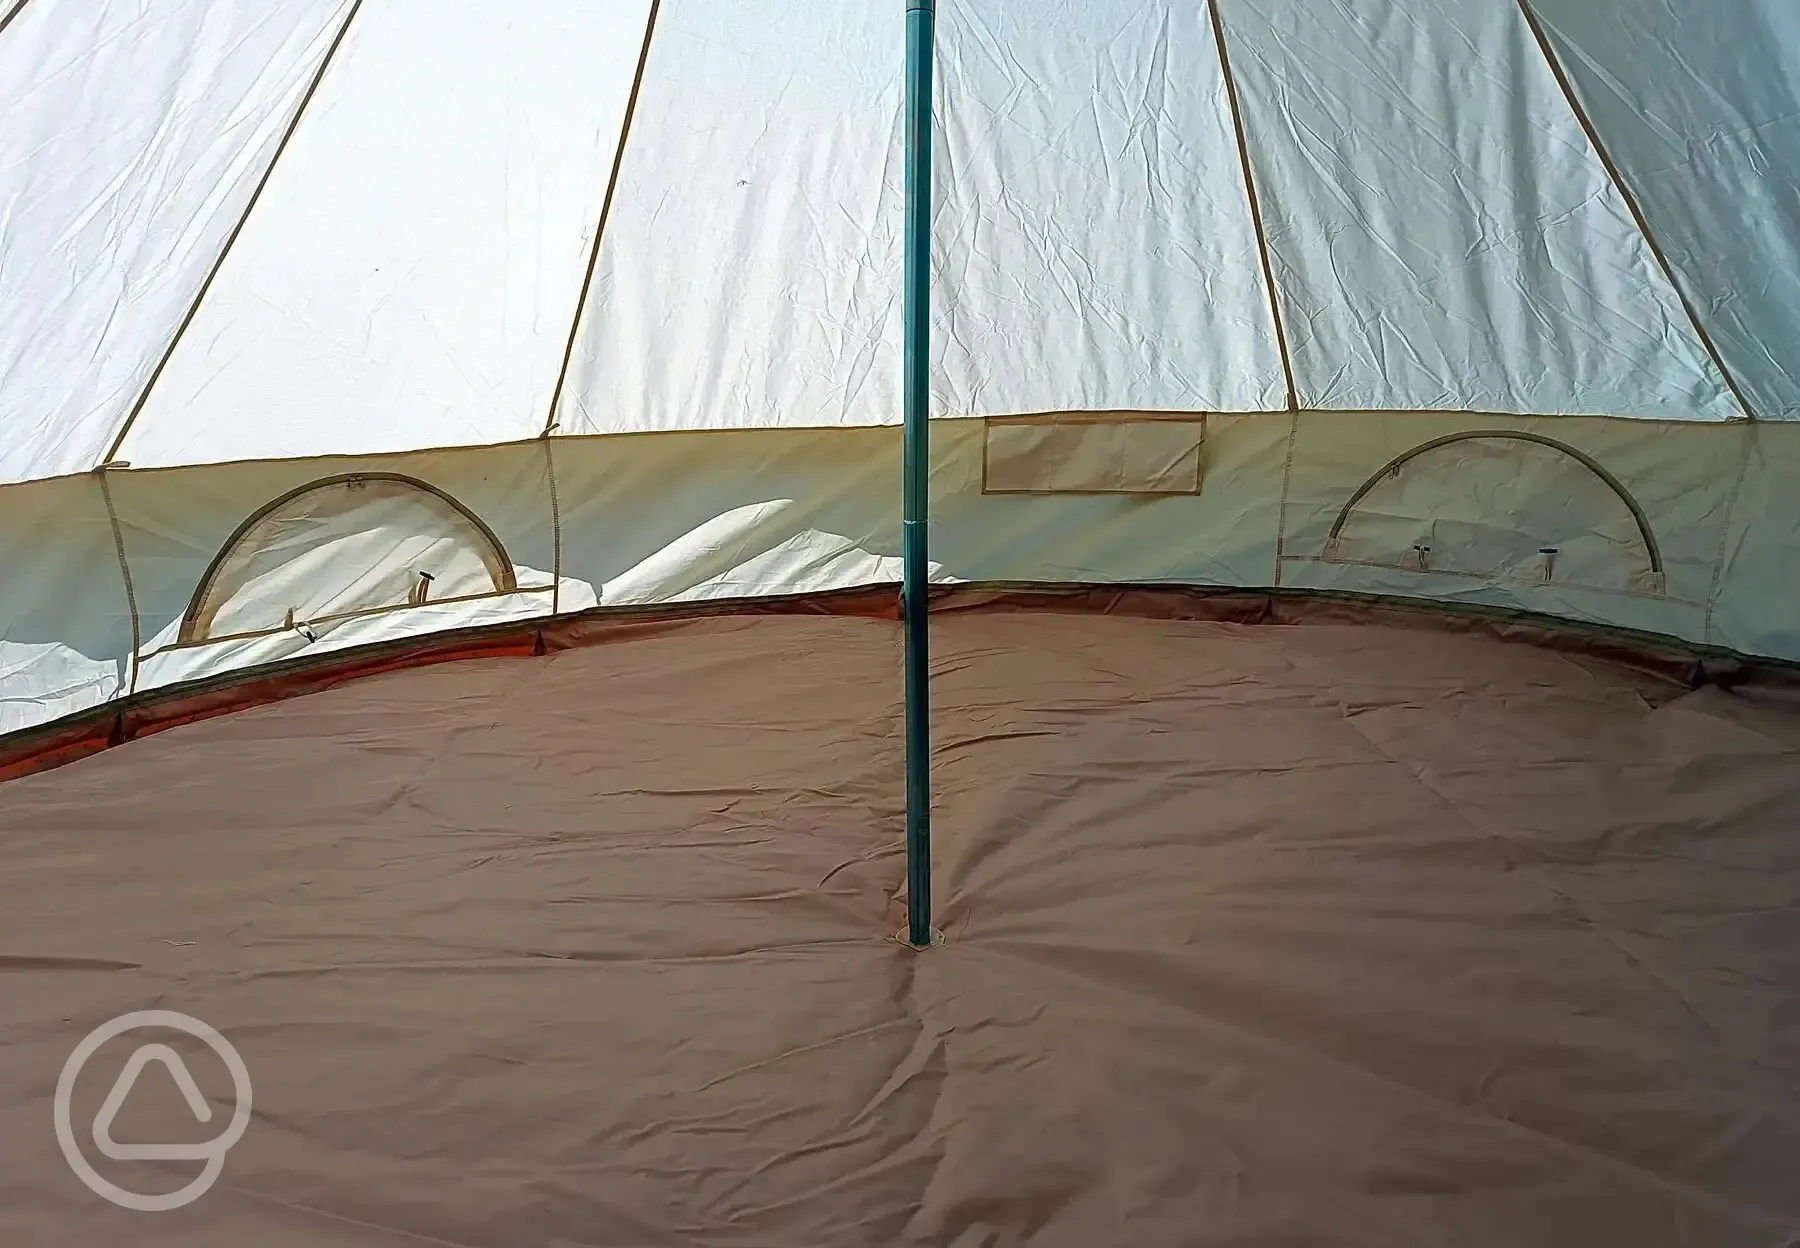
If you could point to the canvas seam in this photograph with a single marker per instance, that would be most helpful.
(11, 13)
(131, 604)
(1446, 413)
(1264, 253)
(556, 533)
(1287, 476)
(1731, 502)
(606, 205)
(1617, 178)
(1499, 581)
(312, 89)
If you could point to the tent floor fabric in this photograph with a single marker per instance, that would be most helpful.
(1255, 936)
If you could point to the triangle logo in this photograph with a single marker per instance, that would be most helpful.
(121, 1089)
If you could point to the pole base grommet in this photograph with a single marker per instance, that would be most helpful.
(904, 937)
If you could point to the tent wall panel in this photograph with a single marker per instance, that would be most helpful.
(715, 516)
(176, 522)
(134, 136)
(1757, 610)
(1226, 534)
(692, 516)
(65, 618)
(682, 517)
(409, 278)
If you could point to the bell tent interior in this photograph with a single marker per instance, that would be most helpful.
(851, 622)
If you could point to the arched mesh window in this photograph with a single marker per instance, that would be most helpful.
(345, 546)
(1501, 504)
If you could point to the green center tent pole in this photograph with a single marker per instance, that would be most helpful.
(916, 490)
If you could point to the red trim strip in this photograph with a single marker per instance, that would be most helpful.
(160, 710)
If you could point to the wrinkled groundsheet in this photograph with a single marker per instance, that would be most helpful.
(1256, 936)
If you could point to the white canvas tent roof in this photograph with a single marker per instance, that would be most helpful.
(1239, 257)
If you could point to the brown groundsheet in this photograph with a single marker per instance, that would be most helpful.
(1257, 936)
